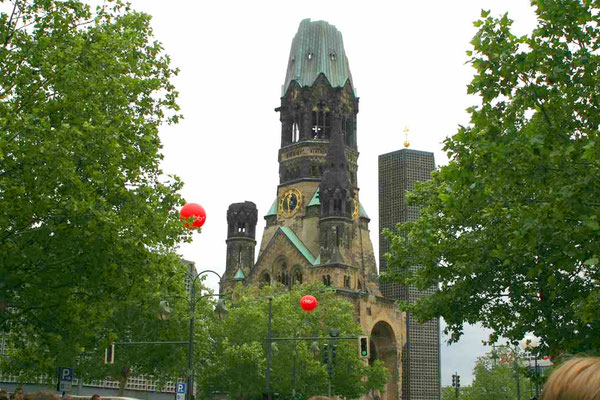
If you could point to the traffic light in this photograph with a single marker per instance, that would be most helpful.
(325, 354)
(333, 348)
(453, 380)
(457, 381)
(363, 347)
(109, 354)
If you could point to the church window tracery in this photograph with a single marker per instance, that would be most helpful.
(281, 271)
(320, 122)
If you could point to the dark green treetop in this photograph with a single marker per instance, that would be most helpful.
(88, 221)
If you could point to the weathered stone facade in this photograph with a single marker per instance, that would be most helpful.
(316, 229)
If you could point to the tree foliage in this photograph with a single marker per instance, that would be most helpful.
(495, 378)
(510, 228)
(236, 362)
(87, 219)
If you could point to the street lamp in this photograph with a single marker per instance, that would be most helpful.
(164, 312)
(529, 344)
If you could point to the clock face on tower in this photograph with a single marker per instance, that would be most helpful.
(290, 202)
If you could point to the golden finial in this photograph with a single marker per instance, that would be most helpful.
(406, 142)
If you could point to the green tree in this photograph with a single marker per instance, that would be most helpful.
(139, 322)
(88, 224)
(236, 362)
(509, 229)
(495, 378)
(448, 393)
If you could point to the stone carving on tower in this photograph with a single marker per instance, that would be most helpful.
(316, 228)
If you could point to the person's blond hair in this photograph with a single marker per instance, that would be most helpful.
(576, 379)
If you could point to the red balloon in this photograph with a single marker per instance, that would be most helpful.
(308, 302)
(193, 210)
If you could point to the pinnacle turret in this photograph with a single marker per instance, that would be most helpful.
(336, 189)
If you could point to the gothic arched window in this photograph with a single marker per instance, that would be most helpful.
(296, 275)
(347, 282)
(265, 279)
(295, 131)
(281, 272)
(320, 122)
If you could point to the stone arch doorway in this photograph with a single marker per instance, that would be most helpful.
(384, 348)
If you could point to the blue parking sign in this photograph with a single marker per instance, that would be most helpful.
(181, 388)
(65, 374)
(65, 379)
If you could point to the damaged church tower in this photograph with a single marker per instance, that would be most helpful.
(316, 229)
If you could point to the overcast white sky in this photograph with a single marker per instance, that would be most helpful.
(408, 64)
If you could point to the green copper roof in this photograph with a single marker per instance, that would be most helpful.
(317, 49)
(273, 209)
(315, 201)
(298, 244)
(361, 211)
(239, 274)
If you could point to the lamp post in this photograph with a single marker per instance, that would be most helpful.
(220, 310)
(517, 375)
(530, 343)
(307, 303)
(268, 372)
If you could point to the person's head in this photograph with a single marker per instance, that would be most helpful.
(95, 397)
(19, 391)
(576, 379)
(41, 395)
